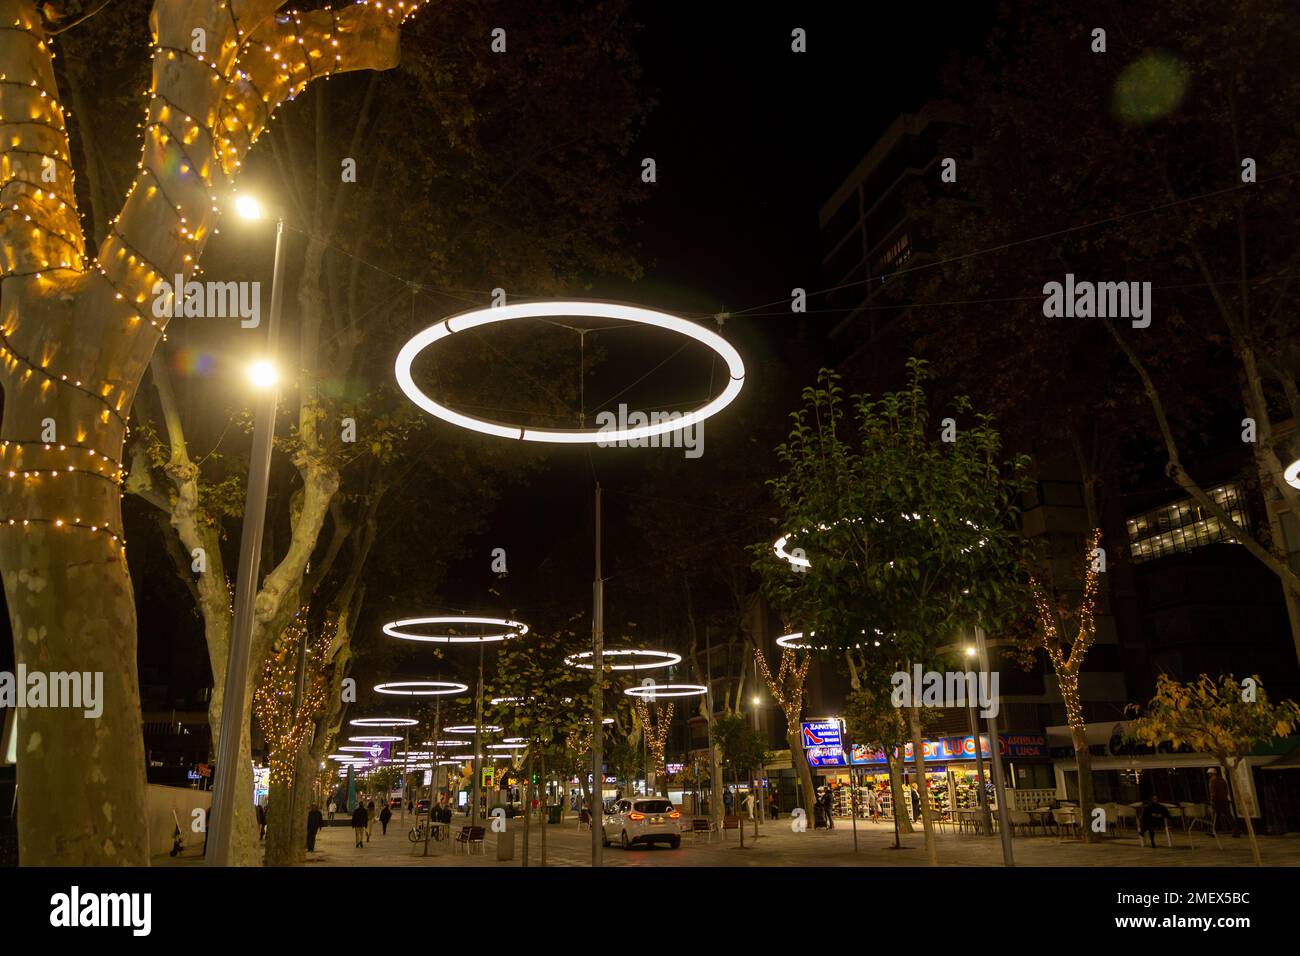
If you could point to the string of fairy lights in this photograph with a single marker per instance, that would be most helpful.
(1067, 668)
(188, 157)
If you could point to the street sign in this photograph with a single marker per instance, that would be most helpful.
(826, 756)
(822, 733)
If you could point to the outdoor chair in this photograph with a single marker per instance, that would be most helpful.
(1021, 819)
(729, 823)
(1198, 815)
(701, 825)
(1125, 812)
(470, 837)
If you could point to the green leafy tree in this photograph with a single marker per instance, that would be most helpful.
(907, 537)
(1227, 719)
(743, 752)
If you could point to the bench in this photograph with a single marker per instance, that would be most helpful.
(469, 837)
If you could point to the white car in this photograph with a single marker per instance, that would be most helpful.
(642, 820)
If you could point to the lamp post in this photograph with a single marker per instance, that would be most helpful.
(983, 796)
(263, 376)
(999, 787)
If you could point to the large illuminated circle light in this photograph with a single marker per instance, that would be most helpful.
(1292, 474)
(537, 310)
(789, 641)
(384, 722)
(653, 659)
(421, 688)
(512, 629)
(374, 739)
(655, 691)
(470, 728)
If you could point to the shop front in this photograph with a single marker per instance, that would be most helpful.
(951, 772)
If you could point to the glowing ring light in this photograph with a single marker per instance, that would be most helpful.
(364, 750)
(536, 310)
(1292, 474)
(375, 739)
(446, 743)
(795, 560)
(510, 700)
(430, 688)
(513, 629)
(788, 641)
(515, 740)
(384, 722)
(654, 691)
(656, 659)
(507, 746)
(470, 728)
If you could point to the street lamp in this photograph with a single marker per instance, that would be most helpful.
(264, 377)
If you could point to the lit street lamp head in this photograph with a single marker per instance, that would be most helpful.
(247, 207)
(263, 374)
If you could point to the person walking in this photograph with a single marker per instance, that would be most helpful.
(1154, 816)
(727, 801)
(332, 808)
(873, 805)
(314, 823)
(261, 821)
(914, 797)
(771, 805)
(385, 815)
(828, 807)
(360, 823)
(370, 818)
(1221, 802)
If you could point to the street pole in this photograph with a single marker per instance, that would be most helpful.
(478, 743)
(979, 771)
(221, 821)
(406, 775)
(433, 778)
(598, 700)
(1008, 858)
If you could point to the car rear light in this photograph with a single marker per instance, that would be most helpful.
(636, 816)
(674, 815)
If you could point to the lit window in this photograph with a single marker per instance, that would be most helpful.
(1182, 525)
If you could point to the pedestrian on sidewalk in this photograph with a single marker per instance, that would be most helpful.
(332, 807)
(385, 815)
(370, 818)
(771, 805)
(914, 797)
(1221, 802)
(828, 807)
(314, 823)
(1154, 815)
(873, 805)
(360, 823)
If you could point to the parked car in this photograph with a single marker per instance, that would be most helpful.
(394, 803)
(645, 820)
(421, 806)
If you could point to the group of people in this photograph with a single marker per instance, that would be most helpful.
(1154, 815)
(363, 821)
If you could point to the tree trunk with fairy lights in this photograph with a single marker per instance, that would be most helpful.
(287, 725)
(1067, 657)
(77, 331)
(655, 725)
(787, 687)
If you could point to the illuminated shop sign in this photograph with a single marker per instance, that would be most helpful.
(962, 748)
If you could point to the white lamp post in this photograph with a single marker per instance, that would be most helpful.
(264, 377)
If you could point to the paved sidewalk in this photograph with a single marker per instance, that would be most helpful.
(778, 846)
